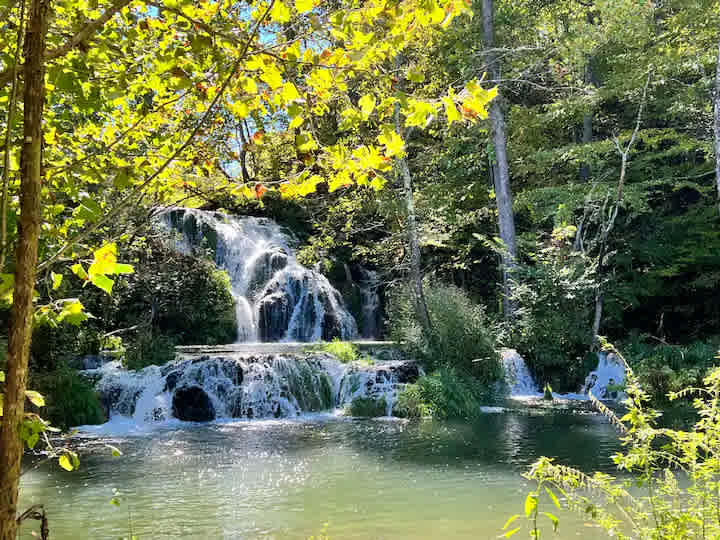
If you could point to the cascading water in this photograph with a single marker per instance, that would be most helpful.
(604, 380)
(244, 386)
(369, 285)
(277, 299)
(517, 374)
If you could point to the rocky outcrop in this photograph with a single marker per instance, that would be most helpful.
(192, 404)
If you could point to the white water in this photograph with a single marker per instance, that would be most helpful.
(277, 299)
(517, 374)
(369, 285)
(243, 386)
(608, 373)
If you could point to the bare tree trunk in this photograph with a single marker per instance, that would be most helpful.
(11, 447)
(501, 170)
(716, 98)
(416, 277)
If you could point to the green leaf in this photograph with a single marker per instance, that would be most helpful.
(530, 504)
(35, 398)
(124, 269)
(65, 462)
(32, 440)
(553, 518)
(115, 501)
(79, 271)
(56, 280)
(510, 520)
(510, 533)
(415, 75)
(553, 498)
(103, 282)
(2, 376)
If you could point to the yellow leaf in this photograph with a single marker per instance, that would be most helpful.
(394, 144)
(367, 105)
(249, 85)
(272, 76)
(289, 92)
(35, 398)
(280, 12)
(451, 111)
(104, 260)
(65, 462)
(303, 6)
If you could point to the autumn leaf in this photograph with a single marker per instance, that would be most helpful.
(260, 190)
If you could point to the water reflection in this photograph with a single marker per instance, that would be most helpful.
(284, 479)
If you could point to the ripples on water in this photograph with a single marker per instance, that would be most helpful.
(285, 479)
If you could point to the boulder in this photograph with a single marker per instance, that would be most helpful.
(192, 404)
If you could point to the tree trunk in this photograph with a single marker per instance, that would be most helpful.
(716, 98)
(11, 447)
(501, 171)
(416, 277)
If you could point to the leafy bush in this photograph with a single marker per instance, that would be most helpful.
(663, 368)
(367, 407)
(552, 328)
(461, 336)
(410, 403)
(675, 473)
(451, 393)
(342, 350)
(71, 399)
(148, 348)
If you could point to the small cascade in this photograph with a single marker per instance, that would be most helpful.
(245, 386)
(517, 375)
(369, 285)
(277, 299)
(604, 381)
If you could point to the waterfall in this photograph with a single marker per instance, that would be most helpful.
(244, 386)
(276, 298)
(609, 373)
(369, 285)
(517, 375)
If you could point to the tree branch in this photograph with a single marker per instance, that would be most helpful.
(205, 117)
(83, 35)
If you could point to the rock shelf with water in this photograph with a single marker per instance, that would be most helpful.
(245, 385)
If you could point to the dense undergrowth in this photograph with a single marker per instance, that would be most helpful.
(669, 485)
(463, 369)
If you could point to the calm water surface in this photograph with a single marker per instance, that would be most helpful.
(365, 479)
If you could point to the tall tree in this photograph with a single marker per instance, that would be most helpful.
(500, 167)
(11, 446)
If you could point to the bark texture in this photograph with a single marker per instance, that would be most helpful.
(11, 447)
(416, 276)
(501, 170)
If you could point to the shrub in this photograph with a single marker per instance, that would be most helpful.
(410, 403)
(342, 350)
(71, 399)
(367, 407)
(461, 336)
(663, 368)
(554, 295)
